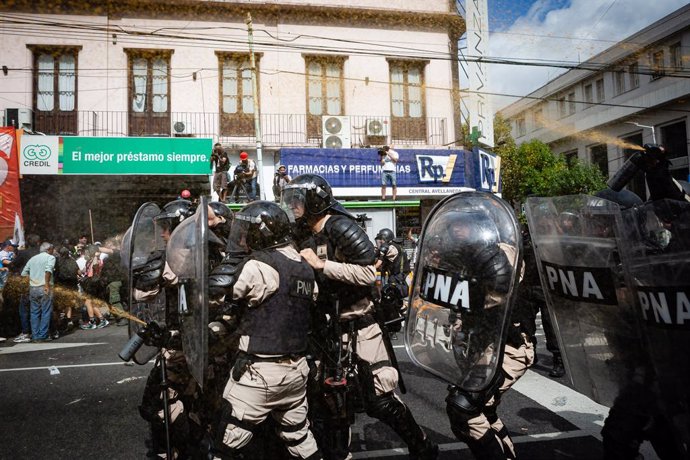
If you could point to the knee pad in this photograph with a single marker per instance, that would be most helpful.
(461, 407)
(386, 407)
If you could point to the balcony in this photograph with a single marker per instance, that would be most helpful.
(278, 130)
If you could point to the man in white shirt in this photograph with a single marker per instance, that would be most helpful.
(389, 159)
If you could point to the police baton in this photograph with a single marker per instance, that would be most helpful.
(389, 348)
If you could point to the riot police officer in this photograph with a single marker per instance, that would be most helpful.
(343, 258)
(219, 223)
(273, 288)
(460, 326)
(149, 280)
(392, 261)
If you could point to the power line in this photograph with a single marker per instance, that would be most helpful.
(569, 65)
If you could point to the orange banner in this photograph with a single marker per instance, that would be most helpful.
(10, 204)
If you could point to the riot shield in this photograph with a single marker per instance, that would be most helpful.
(468, 263)
(187, 257)
(656, 256)
(590, 306)
(144, 239)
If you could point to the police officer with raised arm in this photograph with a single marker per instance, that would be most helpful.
(343, 257)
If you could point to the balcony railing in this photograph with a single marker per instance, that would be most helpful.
(278, 130)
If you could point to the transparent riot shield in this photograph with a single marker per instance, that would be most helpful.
(656, 251)
(590, 306)
(468, 264)
(187, 257)
(143, 241)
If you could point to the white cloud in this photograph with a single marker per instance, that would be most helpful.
(573, 34)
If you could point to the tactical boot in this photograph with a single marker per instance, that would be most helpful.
(558, 370)
(488, 447)
(428, 450)
(397, 415)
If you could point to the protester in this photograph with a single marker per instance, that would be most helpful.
(7, 256)
(39, 269)
(90, 265)
(33, 242)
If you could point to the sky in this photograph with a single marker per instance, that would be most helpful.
(562, 30)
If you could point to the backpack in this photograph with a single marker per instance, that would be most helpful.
(67, 271)
(405, 267)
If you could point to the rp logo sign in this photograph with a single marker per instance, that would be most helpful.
(435, 168)
(488, 171)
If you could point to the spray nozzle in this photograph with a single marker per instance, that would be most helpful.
(655, 150)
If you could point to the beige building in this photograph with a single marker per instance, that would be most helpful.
(635, 92)
(330, 74)
(162, 68)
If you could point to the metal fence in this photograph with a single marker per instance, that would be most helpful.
(278, 130)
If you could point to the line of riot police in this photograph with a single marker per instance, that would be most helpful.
(615, 273)
(256, 329)
(261, 340)
(240, 331)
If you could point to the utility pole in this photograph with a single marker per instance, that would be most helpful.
(257, 115)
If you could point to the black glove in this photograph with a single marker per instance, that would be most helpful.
(149, 275)
(223, 277)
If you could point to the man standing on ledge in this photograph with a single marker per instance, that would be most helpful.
(389, 158)
(249, 174)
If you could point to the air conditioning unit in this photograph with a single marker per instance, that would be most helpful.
(377, 127)
(182, 129)
(20, 118)
(335, 132)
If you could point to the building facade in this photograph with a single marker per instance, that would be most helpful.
(329, 74)
(633, 93)
(166, 68)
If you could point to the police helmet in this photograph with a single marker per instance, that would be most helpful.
(312, 190)
(385, 235)
(263, 224)
(175, 212)
(221, 210)
(569, 223)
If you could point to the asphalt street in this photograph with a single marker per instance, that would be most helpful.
(74, 398)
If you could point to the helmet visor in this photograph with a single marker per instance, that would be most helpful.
(294, 202)
(237, 241)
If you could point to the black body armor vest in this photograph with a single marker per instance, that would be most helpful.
(279, 326)
(345, 242)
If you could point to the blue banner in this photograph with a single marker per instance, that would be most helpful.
(419, 171)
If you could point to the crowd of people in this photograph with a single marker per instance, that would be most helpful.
(48, 283)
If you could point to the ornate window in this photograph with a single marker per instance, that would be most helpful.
(236, 93)
(149, 92)
(408, 108)
(325, 89)
(55, 88)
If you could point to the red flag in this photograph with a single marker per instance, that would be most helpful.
(10, 204)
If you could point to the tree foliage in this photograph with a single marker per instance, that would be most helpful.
(533, 169)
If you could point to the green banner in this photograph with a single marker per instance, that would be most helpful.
(135, 155)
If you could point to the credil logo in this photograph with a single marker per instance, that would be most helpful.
(36, 152)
